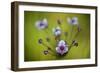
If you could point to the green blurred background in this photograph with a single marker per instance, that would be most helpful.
(33, 51)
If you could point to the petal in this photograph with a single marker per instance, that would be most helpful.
(42, 27)
(58, 50)
(45, 21)
(75, 20)
(66, 49)
(53, 30)
(37, 23)
(58, 27)
(69, 20)
(57, 33)
(62, 42)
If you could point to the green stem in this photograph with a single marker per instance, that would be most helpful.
(70, 37)
(77, 33)
(70, 46)
(50, 49)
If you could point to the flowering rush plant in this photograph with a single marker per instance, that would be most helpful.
(62, 46)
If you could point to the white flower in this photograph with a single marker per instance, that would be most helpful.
(57, 31)
(62, 47)
(41, 24)
(73, 21)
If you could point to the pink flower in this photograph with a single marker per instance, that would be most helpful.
(62, 47)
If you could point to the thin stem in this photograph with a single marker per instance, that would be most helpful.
(49, 48)
(53, 54)
(73, 39)
(70, 37)
(70, 46)
(77, 33)
(49, 35)
(66, 34)
(57, 38)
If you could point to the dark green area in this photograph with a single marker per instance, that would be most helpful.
(33, 51)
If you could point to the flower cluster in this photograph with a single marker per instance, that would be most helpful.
(62, 46)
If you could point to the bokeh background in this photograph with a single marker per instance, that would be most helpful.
(34, 51)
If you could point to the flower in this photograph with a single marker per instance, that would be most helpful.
(73, 21)
(41, 24)
(62, 47)
(57, 31)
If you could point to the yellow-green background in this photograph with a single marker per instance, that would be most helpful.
(33, 51)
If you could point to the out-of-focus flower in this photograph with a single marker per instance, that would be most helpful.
(40, 41)
(46, 52)
(73, 21)
(62, 47)
(42, 24)
(75, 43)
(57, 31)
